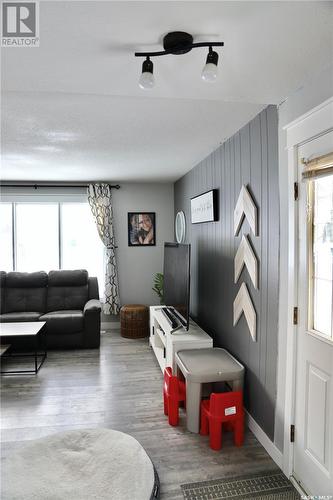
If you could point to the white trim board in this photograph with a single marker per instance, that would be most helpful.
(315, 122)
(297, 487)
(264, 440)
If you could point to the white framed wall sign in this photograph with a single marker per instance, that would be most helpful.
(204, 207)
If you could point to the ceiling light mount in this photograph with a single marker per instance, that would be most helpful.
(177, 42)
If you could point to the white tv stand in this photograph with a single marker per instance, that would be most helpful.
(165, 343)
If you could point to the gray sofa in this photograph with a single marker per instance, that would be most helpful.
(68, 301)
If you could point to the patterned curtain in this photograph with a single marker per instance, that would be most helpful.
(100, 201)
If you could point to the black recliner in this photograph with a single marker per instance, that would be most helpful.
(68, 301)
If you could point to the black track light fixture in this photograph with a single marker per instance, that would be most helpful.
(177, 43)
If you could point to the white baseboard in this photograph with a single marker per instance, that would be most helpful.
(298, 488)
(263, 439)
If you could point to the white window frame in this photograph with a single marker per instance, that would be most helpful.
(41, 199)
(310, 320)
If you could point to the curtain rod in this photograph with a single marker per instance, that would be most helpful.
(37, 186)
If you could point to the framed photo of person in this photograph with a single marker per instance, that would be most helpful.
(141, 229)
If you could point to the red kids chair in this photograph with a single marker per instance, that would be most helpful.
(222, 408)
(173, 393)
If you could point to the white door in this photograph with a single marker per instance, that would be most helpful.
(313, 447)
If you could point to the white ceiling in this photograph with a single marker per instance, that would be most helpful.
(72, 109)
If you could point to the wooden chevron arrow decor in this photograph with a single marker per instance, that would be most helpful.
(245, 256)
(243, 304)
(245, 207)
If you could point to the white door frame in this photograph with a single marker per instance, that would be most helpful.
(307, 127)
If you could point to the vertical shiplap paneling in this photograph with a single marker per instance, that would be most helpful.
(273, 258)
(245, 229)
(250, 157)
(239, 340)
(263, 228)
(256, 187)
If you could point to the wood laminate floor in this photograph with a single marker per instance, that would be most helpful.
(118, 387)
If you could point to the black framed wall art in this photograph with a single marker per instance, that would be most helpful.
(204, 207)
(141, 229)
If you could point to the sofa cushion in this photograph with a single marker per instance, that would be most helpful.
(67, 290)
(60, 322)
(25, 292)
(2, 291)
(19, 316)
(78, 277)
(26, 280)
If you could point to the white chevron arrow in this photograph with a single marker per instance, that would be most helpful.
(245, 256)
(245, 207)
(243, 304)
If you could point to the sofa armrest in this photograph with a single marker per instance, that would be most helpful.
(92, 324)
(93, 288)
(92, 306)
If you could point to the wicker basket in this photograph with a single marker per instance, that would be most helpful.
(134, 321)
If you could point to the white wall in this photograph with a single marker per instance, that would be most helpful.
(316, 91)
(137, 265)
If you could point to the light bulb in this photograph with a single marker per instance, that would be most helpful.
(147, 80)
(209, 73)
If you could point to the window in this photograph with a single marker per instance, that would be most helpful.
(321, 254)
(46, 236)
(37, 239)
(6, 237)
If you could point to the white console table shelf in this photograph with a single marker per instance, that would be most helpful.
(165, 344)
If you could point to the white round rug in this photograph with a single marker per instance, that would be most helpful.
(80, 465)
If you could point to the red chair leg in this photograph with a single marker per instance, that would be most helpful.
(204, 429)
(239, 431)
(173, 412)
(215, 434)
(165, 403)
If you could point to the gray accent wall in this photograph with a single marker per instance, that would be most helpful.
(250, 157)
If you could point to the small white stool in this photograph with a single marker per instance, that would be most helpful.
(202, 366)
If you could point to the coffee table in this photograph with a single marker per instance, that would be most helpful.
(31, 329)
(202, 366)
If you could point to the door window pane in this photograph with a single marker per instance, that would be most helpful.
(6, 237)
(37, 239)
(322, 251)
(81, 245)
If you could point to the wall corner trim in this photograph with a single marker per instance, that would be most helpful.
(264, 440)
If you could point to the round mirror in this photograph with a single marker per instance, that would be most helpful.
(180, 227)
